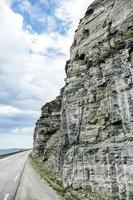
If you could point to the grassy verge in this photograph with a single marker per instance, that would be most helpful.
(52, 179)
(56, 184)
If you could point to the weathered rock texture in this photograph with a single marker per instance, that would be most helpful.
(47, 132)
(93, 118)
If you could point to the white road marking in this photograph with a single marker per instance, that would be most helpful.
(16, 177)
(6, 197)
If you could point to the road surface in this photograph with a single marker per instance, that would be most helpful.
(10, 172)
(18, 180)
(32, 187)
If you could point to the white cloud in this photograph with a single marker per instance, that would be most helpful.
(8, 2)
(8, 140)
(31, 64)
(25, 6)
(44, 1)
(72, 11)
(51, 24)
(26, 72)
(22, 131)
(8, 110)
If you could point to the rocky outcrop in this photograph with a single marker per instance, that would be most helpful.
(47, 132)
(95, 122)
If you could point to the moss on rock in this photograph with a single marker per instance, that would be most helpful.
(128, 34)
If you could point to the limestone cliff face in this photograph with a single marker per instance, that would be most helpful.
(94, 115)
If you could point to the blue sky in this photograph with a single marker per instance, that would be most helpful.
(41, 16)
(35, 38)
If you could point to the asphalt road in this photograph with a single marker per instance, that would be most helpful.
(10, 172)
(32, 187)
(19, 181)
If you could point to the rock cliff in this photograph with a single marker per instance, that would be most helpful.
(86, 134)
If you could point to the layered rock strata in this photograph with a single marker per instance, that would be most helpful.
(47, 133)
(94, 115)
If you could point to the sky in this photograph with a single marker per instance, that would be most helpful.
(35, 39)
